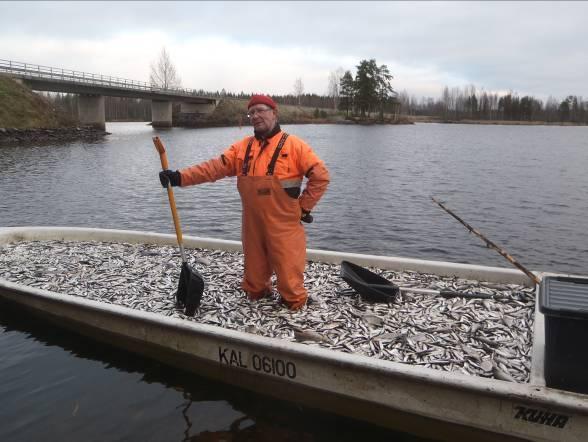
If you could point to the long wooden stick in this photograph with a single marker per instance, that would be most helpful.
(491, 244)
(170, 194)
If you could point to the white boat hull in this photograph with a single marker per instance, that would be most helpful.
(423, 401)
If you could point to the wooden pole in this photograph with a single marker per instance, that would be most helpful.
(491, 244)
(170, 194)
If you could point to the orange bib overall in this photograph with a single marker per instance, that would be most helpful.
(272, 235)
(273, 238)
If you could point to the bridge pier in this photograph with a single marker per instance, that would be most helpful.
(91, 111)
(161, 113)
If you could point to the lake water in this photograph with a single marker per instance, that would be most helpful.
(524, 187)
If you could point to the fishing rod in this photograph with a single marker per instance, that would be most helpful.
(490, 244)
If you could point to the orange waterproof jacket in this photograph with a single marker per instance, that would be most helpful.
(296, 160)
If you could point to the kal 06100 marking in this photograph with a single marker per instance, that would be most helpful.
(542, 417)
(260, 363)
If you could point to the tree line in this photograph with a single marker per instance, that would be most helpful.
(454, 105)
(367, 92)
(469, 103)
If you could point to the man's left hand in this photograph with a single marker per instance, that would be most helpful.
(306, 217)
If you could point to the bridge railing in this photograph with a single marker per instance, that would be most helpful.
(27, 70)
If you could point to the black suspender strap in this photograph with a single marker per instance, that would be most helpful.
(272, 164)
(245, 168)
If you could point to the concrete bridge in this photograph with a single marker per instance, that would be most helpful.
(92, 88)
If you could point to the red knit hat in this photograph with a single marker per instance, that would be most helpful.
(262, 99)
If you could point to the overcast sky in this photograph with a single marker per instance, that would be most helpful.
(537, 48)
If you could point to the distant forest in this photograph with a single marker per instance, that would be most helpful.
(472, 104)
(455, 104)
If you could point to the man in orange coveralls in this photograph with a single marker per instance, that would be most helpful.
(270, 167)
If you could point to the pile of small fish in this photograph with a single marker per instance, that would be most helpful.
(482, 337)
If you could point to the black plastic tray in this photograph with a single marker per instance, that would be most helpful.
(370, 286)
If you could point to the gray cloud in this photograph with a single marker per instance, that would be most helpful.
(531, 47)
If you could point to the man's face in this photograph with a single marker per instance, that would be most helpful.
(262, 117)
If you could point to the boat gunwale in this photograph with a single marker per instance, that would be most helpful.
(441, 268)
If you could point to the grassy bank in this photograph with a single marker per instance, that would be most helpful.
(233, 112)
(21, 108)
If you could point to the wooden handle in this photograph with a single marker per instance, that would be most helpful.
(170, 193)
(161, 150)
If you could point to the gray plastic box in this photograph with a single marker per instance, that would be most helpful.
(564, 302)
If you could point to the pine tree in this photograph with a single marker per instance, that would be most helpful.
(346, 92)
(384, 89)
(366, 84)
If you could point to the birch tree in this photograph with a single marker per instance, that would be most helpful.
(334, 85)
(298, 89)
(163, 72)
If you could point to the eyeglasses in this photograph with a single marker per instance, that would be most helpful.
(252, 112)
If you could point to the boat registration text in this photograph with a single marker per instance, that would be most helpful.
(257, 362)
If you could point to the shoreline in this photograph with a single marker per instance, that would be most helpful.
(203, 125)
(12, 136)
(417, 119)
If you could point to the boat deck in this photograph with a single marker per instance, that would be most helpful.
(482, 337)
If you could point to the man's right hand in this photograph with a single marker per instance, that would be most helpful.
(169, 176)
